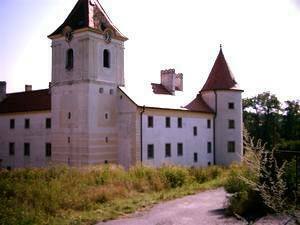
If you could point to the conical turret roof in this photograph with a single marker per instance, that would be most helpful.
(220, 77)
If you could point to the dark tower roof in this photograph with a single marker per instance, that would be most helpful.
(220, 77)
(89, 14)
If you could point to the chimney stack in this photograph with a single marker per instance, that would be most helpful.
(2, 90)
(172, 81)
(179, 82)
(28, 88)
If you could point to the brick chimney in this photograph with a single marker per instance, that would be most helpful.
(28, 88)
(179, 82)
(172, 81)
(2, 90)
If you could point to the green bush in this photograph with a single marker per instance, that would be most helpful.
(202, 175)
(289, 145)
(259, 183)
(234, 183)
(175, 176)
(290, 178)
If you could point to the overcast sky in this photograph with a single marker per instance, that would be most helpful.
(261, 40)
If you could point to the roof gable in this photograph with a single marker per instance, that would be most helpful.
(220, 77)
(89, 14)
(199, 105)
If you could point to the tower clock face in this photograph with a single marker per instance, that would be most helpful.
(107, 36)
(67, 32)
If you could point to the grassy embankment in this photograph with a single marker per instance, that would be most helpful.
(61, 195)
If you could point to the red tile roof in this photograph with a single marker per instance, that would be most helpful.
(199, 105)
(39, 100)
(88, 14)
(160, 89)
(220, 77)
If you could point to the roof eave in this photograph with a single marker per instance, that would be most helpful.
(151, 107)
(56, 36)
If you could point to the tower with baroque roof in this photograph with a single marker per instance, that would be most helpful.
(222, 93)
(87, 68)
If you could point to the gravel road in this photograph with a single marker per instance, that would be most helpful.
(206, 208)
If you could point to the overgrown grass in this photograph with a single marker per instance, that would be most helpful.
(62, 195)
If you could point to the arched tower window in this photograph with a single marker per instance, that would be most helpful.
(106, 58)
(70, 59)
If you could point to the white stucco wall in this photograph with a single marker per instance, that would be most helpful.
(37, 135)
(219, 101)
(88, 50)
(128, 131)
(93, 137)
(223, 133)
(159, 135)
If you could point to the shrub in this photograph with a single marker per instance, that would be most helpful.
(175, 176)
(234, 183)
(289, 145)
(202, 175)
(258, 178)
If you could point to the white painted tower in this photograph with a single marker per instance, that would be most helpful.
(223, 95)
(87, 68)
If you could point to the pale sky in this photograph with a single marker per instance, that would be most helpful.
(260, 38)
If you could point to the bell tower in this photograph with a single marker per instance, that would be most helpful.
(87, 68)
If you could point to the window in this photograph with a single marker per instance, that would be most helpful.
(12, 123)
(209, 147)
(48, 123)
(179, 149)
(168, 122)
(150, 152)
(150, 121)
(101, 90)
(179, 122)
(27, 124)
(230, 105)
(208, 124)
(69, 140)
(231, 124)
(48, 149)
(106, 116)
(11, 148)
(111, 91)
(70, 59)
(195, 131)
(168, 150)
(69, 115)
(195, 157)
(106, 58)
(26, 149)
(106, 139)
(231, 146)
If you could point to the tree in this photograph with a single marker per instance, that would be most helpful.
(291, 121)
(262, 118)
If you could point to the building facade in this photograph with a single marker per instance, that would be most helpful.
(87, 116)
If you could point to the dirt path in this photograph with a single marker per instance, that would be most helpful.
(206, 208)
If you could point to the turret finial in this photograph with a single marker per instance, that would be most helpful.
(221, 46)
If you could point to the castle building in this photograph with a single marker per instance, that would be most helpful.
(87, 115)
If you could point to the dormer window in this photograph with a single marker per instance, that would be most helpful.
(70, 59)
(106, 58)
